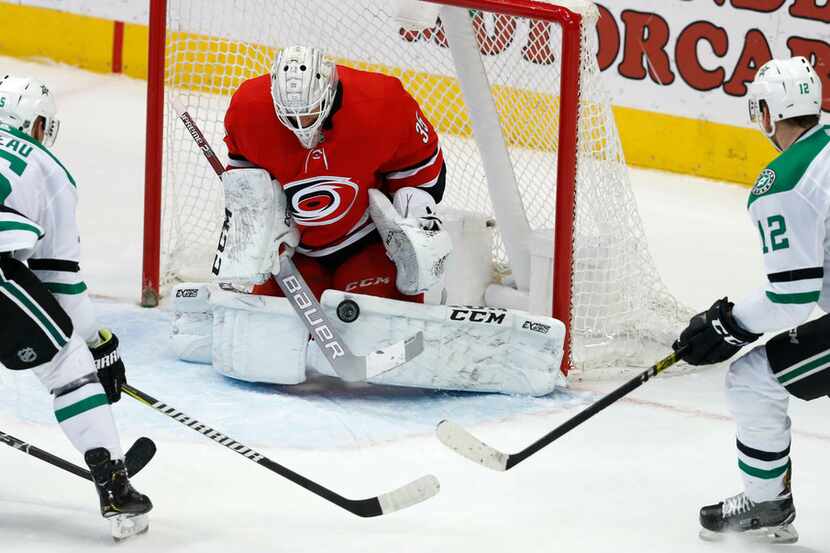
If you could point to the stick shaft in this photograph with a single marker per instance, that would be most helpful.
(199, 138)
(53, 460)
(593, 409)
(367, 507)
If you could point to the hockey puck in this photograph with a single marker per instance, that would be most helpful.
(348, 311)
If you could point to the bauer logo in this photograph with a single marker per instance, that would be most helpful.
(187, 292)
(301, 297)
(485, 315)
(536, 327)
(764, 182)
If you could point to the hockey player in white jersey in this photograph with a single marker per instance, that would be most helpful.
(46, 316)
(790, 208)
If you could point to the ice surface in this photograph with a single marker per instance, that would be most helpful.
(629, 480)
(325, 412)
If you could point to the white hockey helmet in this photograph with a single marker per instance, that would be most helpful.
(22, 101)
(789, 88)
(303, 87)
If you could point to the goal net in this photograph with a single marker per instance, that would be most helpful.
(525, 124)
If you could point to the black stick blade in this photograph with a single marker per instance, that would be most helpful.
(141, 453)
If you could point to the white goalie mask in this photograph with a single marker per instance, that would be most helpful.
(22, 101)
(303, 87)
(789, 88)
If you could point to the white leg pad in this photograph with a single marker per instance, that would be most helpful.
(247, 337)
(257, 338)
(469, 349)
(191, 334)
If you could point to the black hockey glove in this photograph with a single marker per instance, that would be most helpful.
(109, 365)
(713, 336)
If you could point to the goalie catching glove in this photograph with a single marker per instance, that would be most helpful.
(413, 236)
(713, 336)
(108, 364)
(258, 226)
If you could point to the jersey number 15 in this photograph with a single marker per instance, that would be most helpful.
(17, 165)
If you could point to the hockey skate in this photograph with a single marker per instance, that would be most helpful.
(769, 521)
(120, 502)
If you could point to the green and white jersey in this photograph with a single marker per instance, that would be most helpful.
(38, 199)
(790, 208)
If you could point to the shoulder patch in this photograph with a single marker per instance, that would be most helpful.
(788, 169)
(764, 182)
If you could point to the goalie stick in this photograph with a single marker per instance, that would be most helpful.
(406, 496)
(465, 444)
(347, 365)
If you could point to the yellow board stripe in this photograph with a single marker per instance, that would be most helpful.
(43, 33)
(693, 146)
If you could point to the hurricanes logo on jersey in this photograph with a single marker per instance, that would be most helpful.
(764, 182)
(320, 201)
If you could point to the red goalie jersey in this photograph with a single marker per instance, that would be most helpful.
(374, 137)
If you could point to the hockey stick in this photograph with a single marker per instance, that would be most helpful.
(347, 365)
(462, 442)
(136, 457)
(406, 496)
(53, 460)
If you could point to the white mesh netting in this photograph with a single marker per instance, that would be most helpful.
(622, 313)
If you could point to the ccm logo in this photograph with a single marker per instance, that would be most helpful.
(322, 333)
(536, 327)
(477, 316)
(366, 282)
(187, 293)
(223, 239)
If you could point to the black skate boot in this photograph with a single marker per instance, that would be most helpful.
(113, 485)
(768, 521)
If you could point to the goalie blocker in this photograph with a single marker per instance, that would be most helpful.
(257, 227)
(478, 349)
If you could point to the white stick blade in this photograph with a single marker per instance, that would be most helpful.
(394, 355)
(350, 368)
(178, 105)
(409, 495)
(465, 444)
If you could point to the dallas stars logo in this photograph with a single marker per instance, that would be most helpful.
(764, 182)
(44, 90)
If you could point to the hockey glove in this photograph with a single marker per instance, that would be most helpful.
(713, 336)
(109, 365)
(417, 204)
